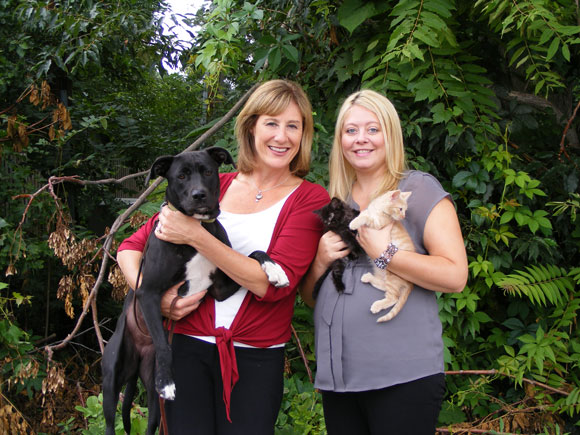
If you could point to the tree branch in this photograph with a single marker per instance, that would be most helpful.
(302, 354)
(562, 142)
(542, 103)
(496, 372)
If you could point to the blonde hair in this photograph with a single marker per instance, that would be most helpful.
(342, 174)
(272, 98)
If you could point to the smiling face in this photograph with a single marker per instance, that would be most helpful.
(277, 137)
(363, 141)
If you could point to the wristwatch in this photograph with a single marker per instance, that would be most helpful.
(385, 258)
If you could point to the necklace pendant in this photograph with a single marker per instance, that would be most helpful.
(259, 195)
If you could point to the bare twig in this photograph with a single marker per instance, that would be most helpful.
(459, 431)
(302, 354)
(562, 142)
(470, 430)
(496, 372)
(119, 221)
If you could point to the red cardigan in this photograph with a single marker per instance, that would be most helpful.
(266, 321)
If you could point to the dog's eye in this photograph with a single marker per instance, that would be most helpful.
(181, 176)
(208, 173)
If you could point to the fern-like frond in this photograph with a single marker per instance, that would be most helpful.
(575, 274)
(541, 284)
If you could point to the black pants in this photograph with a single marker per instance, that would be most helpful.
(198, 408)
(406, 409)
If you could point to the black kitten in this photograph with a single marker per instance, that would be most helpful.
(336, 216)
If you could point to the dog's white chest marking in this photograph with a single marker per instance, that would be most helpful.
(197, 273)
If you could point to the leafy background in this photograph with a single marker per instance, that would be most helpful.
(488, 93)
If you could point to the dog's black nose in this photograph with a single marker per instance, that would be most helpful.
(198, 195)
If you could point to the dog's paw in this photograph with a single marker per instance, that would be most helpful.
(168, 392)
(276, 274)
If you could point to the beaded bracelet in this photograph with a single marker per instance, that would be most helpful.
(385, 258)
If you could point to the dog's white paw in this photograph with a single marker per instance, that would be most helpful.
(168, 392)
(276, 274)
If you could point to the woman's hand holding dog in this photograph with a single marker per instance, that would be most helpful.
(182, 305)
(175, 227)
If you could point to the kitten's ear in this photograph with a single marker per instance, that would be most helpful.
(335, 202)
(395, 194)
(406, 195)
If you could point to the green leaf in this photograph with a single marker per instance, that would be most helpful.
(352, 13)
(416, 52)
(291, 53)
(461, 178)
(274, 58)
(552, 49)
(372, 45)
(566, 52)
(546, 35)
(426, 37)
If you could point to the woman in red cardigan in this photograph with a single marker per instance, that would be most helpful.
(228, 357)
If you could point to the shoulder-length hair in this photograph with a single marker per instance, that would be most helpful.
(342, 174)
(272, 98)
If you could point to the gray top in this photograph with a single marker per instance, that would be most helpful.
(353, 351)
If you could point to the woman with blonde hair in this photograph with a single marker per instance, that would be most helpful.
(383, 378)
(228, 357)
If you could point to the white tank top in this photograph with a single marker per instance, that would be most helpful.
(247, 233)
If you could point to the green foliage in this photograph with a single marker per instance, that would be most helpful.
(541, 284)
(82, 35)
(486, 93)
(20, 368)
(539, 34)
(93, 414)
(301, 410)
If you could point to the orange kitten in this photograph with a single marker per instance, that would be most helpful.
(381, 212)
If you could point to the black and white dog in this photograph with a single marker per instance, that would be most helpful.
(193, 189)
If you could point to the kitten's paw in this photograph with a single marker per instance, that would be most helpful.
(381, 305)
(276, 274)
(376, 307)
(356, 223)
(385, 318)
(367, 277)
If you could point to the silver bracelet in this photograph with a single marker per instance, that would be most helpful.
(385, 258)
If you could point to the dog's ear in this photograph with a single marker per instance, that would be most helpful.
(159, 168)
(221, 155)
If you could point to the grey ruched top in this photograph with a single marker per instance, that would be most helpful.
(353, 351)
